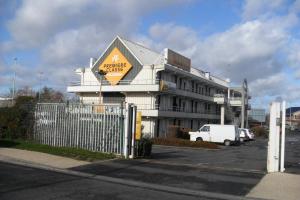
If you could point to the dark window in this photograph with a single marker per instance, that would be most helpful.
(205, 129)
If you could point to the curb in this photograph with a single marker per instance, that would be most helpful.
(132, 183)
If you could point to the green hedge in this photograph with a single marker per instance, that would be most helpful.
(17, 121)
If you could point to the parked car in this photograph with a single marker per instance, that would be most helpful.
(226, 134)
(246, 134)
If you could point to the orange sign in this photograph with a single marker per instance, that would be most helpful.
(116, 66)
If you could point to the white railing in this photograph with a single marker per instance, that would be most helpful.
(172, 109)
(235, 98)
(121, 82)
(91, 127)
(219, 95)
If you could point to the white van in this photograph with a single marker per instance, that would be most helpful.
(227, 134)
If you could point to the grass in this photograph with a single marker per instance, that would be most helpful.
(184, 143)
(76, 153)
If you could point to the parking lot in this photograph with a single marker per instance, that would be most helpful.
(251, 155)
(230, 170)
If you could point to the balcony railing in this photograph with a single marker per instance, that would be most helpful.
(173, 109)
(121, 82)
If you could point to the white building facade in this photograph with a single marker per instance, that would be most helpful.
(164, 86)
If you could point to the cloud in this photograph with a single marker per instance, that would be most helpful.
(35, 23)
(67, 33)
(255, 8)
(268, 86)
(248, 50)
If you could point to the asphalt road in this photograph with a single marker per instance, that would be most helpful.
(233, 170)
(292, 152)
(250, 156)
(25, 183)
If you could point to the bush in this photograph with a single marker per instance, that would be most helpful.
(17, 121)
(260, 131)
(184, 143)
(178, 132)
(183, 133)
(144, 147)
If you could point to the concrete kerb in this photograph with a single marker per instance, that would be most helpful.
(150, 186)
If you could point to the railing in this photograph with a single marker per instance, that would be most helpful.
(91, 127)
(172, 109)
(235, 98)
(121, 82)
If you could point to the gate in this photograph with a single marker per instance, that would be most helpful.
(92, 127)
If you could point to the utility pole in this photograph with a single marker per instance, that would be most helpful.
(40, 74)
(14, 81)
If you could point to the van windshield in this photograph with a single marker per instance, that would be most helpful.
(205, 128)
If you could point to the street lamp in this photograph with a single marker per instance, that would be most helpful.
(101, 73)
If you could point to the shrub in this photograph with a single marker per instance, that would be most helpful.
(144, 147)
(184, 143)
(183, 133)
(260, 131)
(178, 132)
(17, 121)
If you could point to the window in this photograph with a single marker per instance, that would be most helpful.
(205, 129)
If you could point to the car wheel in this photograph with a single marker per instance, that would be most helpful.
(227, 143)
(199, 139)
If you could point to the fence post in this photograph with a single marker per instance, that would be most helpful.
(126, 129)
(55, 124)
(78, 125)
(133, 128)
(282, 149)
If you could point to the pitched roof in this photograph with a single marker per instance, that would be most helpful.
(145, 55)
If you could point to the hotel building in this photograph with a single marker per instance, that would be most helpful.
(164, 86)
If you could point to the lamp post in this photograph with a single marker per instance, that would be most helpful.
(40, 74)
(101, 73)
(14, 81)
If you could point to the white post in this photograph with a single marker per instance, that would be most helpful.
(133, 129)
(222, 114)
(273, 144)
(282, 149)
(126, 123)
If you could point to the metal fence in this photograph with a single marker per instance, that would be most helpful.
(92, 127)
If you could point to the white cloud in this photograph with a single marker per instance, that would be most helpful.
(247, 50)
(67, 33)
(268, 86)
(255, 8)
(36, 22)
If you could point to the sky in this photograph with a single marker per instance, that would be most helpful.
(236, 39)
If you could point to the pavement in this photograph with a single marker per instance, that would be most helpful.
(277, 186)
(40, 158)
